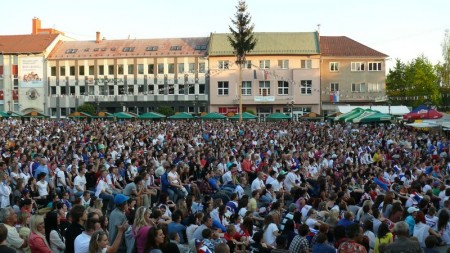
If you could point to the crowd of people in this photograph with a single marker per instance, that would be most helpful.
(222, 186)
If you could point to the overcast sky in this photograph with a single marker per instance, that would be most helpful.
(399, 28)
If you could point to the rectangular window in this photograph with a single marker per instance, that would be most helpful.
(306, 87)
(119, 70)
(358, 87)
(140, 69)
(191, 67)
(72, 70)
(191, 89)
(224, 65)
(171, 68)
(264, 64)
(222, 88)
(81, 70)
(247, 65)
(62, 71)
(111, 69)
(91, 70)
(111, 90)
(334, 86)
(91, 90)
(130, 69)
(283, 64)
(180, 68)
(101, 70)
(357, 66)
(140, 88)
(201, 68)
(72, 90)
(62, 90)
(171, 89)
(306, 64)
(246, 88)
(374, 66)
(175, 48)
(180, 88)
(130, 89)
(160, 68)
(201, 88)
(374, 87)
(151, 68)
(82, 90)
(264, 88)
(53, 71)
(161, 89)
(53, 90)
(334, 66)
(283, 88)
(121, 90)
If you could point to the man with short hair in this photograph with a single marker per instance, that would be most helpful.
(9, 218)
(175, 226)
(117, 218)
(79, 216)
(207, 223)
(403, 243)
(79, 183)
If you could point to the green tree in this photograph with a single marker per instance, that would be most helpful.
(250, 111)
(242, 40)
(87, 108)
(422, 81)
(165, 110)
(443, 68)
(396, 83)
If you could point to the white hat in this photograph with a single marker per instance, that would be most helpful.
(413, 209)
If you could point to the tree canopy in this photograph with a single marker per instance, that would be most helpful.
(87, 108)
(242, 39)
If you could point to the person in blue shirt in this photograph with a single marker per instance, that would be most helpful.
(321, 245)
(42, 168)
(347, 220)
(176, 227)
(165, 185)
(411, 219)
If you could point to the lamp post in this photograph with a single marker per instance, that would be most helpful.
(195, 103)
(290, 106)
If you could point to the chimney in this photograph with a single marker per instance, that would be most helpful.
(36, 26)
(97, 37)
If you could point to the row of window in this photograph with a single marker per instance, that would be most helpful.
(264, 88)
(357, 66)
(175, 89)
(161, 68)
(265, 64)
(131, 49)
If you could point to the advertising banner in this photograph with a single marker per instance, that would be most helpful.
(31, 72)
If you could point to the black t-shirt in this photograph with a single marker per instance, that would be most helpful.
(91, 180)
(6, 249)
(72, 232)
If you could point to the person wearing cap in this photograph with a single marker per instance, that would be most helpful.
(117, 218)
(410, 220)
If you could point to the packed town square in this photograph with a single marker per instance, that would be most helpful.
(206, 186)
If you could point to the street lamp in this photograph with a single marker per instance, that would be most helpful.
(290, 106)
(195, 103)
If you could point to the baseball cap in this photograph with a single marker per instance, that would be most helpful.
(119, 199)
(25, 191)
(413, 209)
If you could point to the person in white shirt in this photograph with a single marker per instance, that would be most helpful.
(258, 183)
(271, 231)
(81, 243)
(277, 184)
(61, 182)
(292, 180)
(42, 185)
(240, 187)
(272, 177)
(79, 182)
(5, 190)
(25, 174)
(227, 178)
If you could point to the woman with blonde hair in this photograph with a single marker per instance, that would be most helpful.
(99, 242)
(24, 230)
(37, 241)
(141, 226)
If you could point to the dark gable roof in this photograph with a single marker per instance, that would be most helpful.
(38, 43)
(345, 47)
(131, 48)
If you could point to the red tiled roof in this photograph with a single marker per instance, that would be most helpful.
(115, 48)
(25, 43)
(346, 47)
